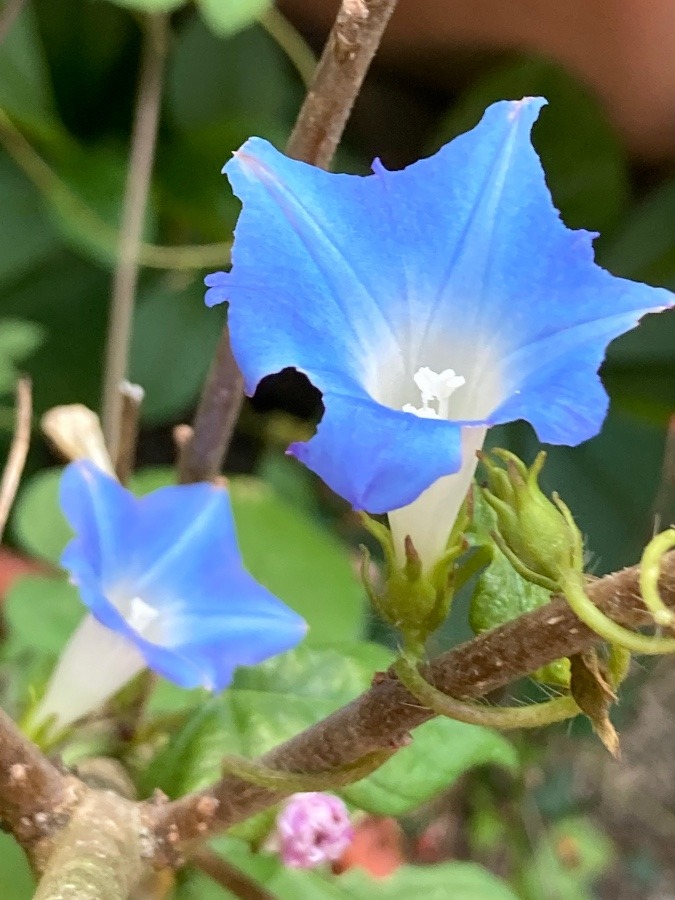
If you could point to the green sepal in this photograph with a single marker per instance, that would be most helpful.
(538, 535)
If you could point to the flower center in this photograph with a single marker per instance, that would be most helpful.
(435, 388)
(140, 616)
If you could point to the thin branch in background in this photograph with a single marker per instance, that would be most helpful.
(131, 397)
(384, 715)
(18, 450)
(139, 176)
(8, 15)
(68, 204)
(229, 877)
(664, 505)
(350, 47)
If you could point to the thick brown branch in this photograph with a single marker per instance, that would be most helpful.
(202, 453)
(99, 855)
(34, 796)
(349, 50)
(384, 715)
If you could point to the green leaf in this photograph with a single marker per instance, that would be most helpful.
(581, 154)
(298, 560)
(225, 17)
(38, 523)
(172, 323)
(67, 298)
(18, 339)
(42, 613)
(15, 875)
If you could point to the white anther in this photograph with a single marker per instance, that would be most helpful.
(425, 412)
(435, 387)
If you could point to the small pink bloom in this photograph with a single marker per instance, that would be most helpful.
(312, 828)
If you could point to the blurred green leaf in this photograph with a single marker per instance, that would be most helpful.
(225, 17)
(172, 323)
(26, 237)
(644, 245)
(211, 83)
(15, 874)
(68, 298)
(150, 6)
(567, 861)
(272, 702)
(37, 521)
(42, 613)
(456, 880)
(25, 90)
(298, 560)
(581, 154)
(18, 339)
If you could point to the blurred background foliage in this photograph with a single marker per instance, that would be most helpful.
(68, 77)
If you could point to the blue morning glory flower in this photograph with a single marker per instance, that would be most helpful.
(166, 587)
(426, 304)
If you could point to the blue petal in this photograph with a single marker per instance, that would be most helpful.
(176, 549)
(101, 513)
(370, 454)
(336, 275)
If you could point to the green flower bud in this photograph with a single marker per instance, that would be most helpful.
(538, 536)
(414, 602)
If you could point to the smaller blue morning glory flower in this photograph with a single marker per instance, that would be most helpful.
(426, 305)
(164, 582)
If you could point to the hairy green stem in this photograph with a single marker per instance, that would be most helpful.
(290, 782)
(650, 570)
(504, 718)
(610, 631)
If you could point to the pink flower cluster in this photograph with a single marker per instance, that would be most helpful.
(312, 828)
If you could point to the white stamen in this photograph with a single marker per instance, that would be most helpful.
(435, 387)
(424, 411)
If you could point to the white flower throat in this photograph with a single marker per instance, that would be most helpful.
(436, 388)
